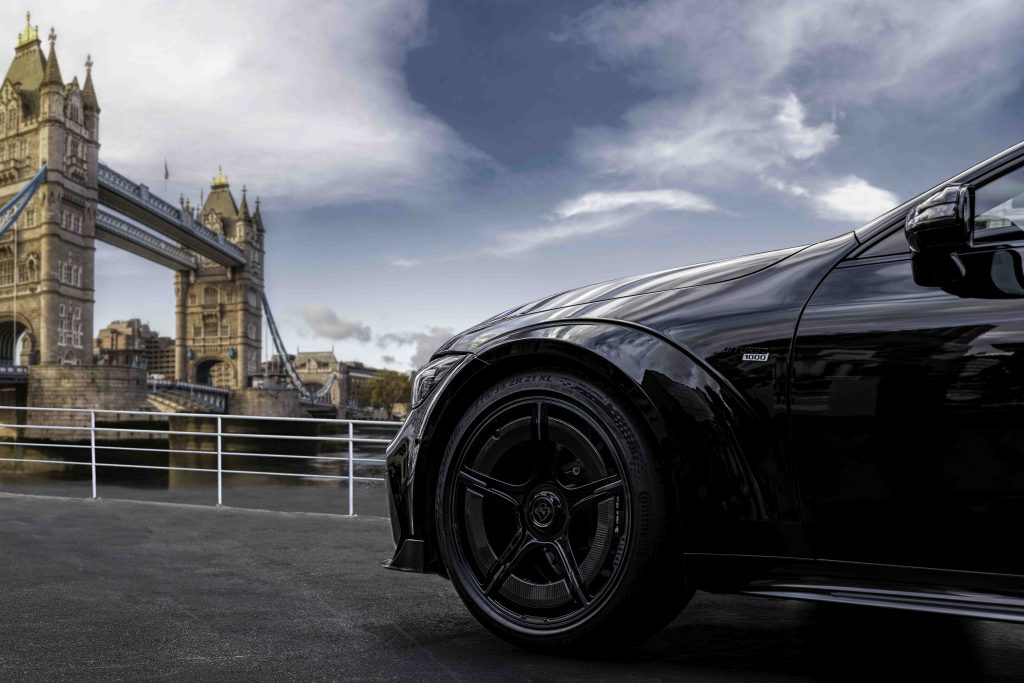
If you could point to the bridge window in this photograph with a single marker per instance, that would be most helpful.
(69, 326)
(6, 272)
(62, 326)
(210, 295)
(72, 220)
(71, 272)
(27, 269)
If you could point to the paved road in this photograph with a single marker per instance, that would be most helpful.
(116, 590)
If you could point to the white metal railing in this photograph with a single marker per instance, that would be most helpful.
(83, 431)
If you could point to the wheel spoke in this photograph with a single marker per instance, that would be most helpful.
(488, 485)
(545, 452)
(571, 569)
(539, 423)
(591, 492)
(517, 547)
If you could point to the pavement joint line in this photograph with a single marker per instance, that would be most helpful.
(329, 515)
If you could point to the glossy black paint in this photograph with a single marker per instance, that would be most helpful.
(842, 414)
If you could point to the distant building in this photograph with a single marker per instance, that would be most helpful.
(315, 367)
(132, 343)
(353, 376)
(159, 354)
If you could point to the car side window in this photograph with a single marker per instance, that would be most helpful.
(892, 244)
(999, 209)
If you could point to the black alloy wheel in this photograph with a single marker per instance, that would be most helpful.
(547, 515)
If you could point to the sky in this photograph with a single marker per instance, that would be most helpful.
(425, 165)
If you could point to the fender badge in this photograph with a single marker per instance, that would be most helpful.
(760, 357)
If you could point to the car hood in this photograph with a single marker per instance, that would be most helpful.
(674, 278)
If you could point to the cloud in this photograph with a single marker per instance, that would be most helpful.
(324, 323)
(599, 202)
(794, 189)
(724, 137)
(741, 91)
(425, 342)
(304, 100)
(855, 199)
(597, 212)
(405, 262)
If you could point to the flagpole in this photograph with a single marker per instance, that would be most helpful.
(14, 322)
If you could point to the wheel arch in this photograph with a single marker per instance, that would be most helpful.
(686, 411)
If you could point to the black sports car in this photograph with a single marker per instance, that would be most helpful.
(840, 422)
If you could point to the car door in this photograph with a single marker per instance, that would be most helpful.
(907, 399)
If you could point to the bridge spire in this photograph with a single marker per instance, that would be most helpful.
(30, 34)
(52, 75)
(243, 209)
(220, 180)
(89, 100)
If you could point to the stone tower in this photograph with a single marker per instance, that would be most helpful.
(46, 262)
(219, 310)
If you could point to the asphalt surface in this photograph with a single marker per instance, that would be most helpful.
(117, 590)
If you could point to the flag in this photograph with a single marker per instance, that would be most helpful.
(167, 173)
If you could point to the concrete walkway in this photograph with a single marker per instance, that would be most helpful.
(116, 590)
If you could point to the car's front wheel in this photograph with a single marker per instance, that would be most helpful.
(554, 517)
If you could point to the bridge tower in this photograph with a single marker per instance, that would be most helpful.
(46, 263)
(219, 318)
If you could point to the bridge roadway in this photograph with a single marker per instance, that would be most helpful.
(135, 201)
(115, 590)
(132, 238)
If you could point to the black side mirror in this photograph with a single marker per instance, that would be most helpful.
(943, 221)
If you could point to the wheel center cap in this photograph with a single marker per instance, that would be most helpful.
(545, 509)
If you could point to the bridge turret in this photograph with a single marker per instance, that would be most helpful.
(51, 111)
(91, 117)
(219, 309)
(51, 256)
(245, 228)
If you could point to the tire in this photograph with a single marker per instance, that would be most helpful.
(554, 517)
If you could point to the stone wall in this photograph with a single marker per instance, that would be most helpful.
(95, 387)
(267, 403)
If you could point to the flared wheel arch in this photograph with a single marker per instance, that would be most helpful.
(587, 355)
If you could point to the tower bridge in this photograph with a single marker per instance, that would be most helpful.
(47, 261)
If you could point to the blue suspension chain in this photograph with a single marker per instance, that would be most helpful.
(11, 211)
(289, 367)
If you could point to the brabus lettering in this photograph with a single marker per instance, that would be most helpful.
(760, 357)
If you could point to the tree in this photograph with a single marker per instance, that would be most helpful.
(385, 389)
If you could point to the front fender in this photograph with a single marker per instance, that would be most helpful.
(713, 441)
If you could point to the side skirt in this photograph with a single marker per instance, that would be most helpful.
(960, 604)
